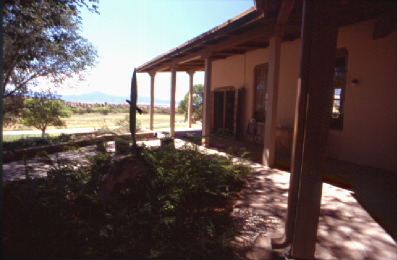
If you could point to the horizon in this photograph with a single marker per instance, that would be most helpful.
(158, 102)
(114, 32)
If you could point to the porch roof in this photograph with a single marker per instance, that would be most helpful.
(253, 29)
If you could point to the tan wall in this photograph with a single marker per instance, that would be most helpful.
(228, 72)
(289, 74)
(238, 71)
(369, 133)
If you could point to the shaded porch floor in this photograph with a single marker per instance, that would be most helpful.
(374, 189)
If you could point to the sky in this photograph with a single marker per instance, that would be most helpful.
(128, 33)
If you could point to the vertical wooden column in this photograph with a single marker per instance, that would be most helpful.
(207, 109)
(269, 148)
(318, 51)
(191, 100)
(172, 108)
(152, 76)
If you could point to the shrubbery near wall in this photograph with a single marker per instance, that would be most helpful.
(179, 210)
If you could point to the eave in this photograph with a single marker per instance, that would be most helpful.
(252, 30)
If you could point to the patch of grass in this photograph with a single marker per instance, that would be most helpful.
(99, 120)
(176, 208)
(30, 140)
(10, 138)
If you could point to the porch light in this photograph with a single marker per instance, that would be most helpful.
(354, 83)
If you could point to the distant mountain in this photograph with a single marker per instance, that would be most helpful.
(99, 97)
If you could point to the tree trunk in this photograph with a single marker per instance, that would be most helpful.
(43, 132)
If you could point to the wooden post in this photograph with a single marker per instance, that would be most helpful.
(207, 111)
(172, 108)
(268, 155)
(152, 76)
(191, 100)
(318, 51)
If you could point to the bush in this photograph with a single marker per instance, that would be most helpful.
(64, 138)
(36, 141)
(124, 125)
(170, 215)
(102, 110)
(122, 145)
(121, 110)
(79, 110)
(201, 181)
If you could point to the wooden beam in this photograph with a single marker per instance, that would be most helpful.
(258, 31)
(385, 24)
(232, 41)
(318, 52)
(152, 76)
(261, 6)
(207, 104)
(311, 126)
(269, 147)
(191, 100)
(172, 104)
(231, 52)
(285, 11)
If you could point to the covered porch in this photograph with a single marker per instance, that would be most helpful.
(227, 108)
(374, 189)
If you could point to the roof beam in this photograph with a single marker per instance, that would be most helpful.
(385, 24)
(285, 11)
(240, 38)
(230, 42)
(283, 16)
(261, 6)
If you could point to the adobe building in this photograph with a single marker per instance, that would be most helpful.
(319, 76)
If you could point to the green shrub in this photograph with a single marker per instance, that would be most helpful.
(27, 142)
(122, 145)
(64, 138)
(124, 125)
(79, 110)
(195, 180)
(170, 215)
(37, 141)
(102, 110)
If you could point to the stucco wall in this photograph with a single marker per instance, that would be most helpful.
(369, 133)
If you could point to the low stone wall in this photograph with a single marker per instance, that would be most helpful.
(18, 154)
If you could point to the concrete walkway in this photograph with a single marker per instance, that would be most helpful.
(38, 167)
(346, 230)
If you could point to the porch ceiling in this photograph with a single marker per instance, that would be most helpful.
(252, 30)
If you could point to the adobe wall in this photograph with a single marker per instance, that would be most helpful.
(238, 71)
(369, 133)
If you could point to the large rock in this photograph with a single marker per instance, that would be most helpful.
(132, 171)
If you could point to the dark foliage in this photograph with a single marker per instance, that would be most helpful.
(176, 207)
(42, 42)
(36, 141)
(183, 108)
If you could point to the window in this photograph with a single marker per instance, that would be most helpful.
(260, 96)
(339, 90)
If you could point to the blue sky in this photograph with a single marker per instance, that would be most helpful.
(128, 33)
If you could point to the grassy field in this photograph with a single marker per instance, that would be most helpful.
(97, 121)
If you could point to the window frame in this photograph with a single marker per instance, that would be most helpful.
(256, 113)
(337, 122)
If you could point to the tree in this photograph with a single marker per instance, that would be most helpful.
(41, 112)
(198, 92)
(42, 42)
